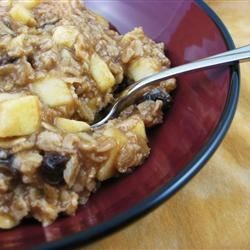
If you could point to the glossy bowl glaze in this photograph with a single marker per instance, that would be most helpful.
(204, 104)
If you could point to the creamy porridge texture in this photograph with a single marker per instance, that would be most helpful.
(60, 65)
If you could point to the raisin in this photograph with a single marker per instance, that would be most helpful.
(31, 61)
(6, 160)
(5, 59)
(52, 167)
(5, 157)
(159, 94)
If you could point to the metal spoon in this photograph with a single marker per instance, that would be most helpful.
(131, 94)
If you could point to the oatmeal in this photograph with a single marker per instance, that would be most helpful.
(60, 65)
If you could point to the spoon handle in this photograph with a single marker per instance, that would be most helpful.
(231, 52)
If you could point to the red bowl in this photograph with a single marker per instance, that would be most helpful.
(204, 105)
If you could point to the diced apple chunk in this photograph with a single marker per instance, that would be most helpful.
(30, 4)
(22, 15)
(139, 129)
(53, 91)
(7, 222)
(116, 134)
(71, 126)
(65, 36)
(143, 67)
(9, 96)
(20, 116)
(101, 73)
(107, 170)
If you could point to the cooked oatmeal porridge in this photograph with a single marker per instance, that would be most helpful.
(60, 65)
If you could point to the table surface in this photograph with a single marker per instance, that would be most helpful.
(213, 210)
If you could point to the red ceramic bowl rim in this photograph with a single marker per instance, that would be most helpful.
(183, 177)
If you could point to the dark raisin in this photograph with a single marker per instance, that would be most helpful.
(5, 157)
(31, 61)
(5, 59)
(6, 160)
(52, 167)
(159, 94)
